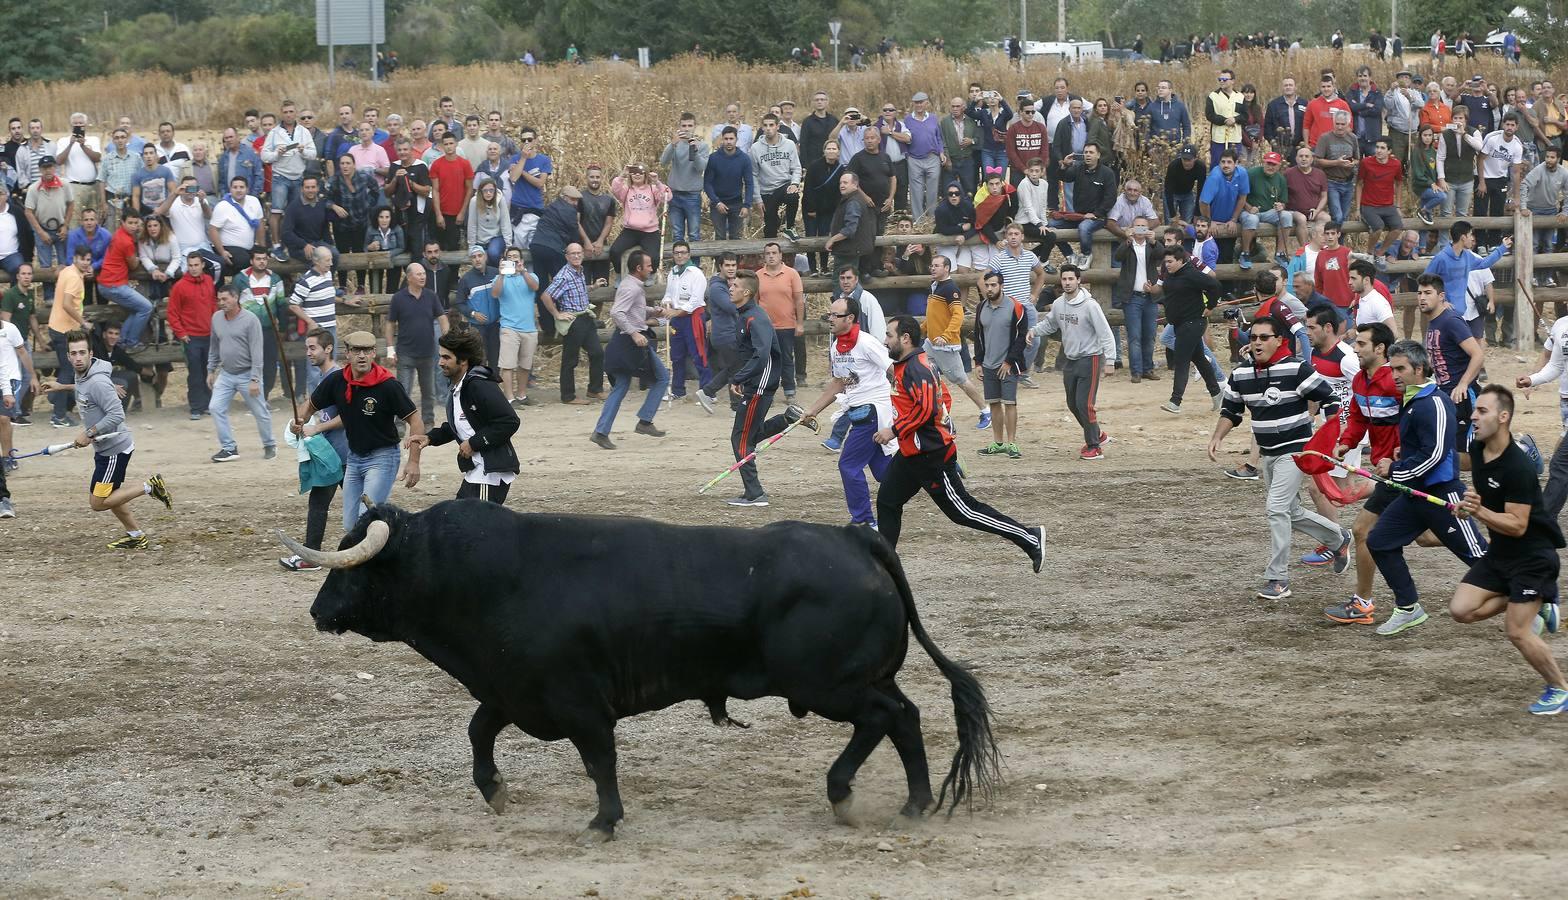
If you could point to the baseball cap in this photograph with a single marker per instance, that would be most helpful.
(1025, 94)
(922, 95)
(359, 340)
(476, 250)
(46, 161)
(1187, 153)
(1273, 158)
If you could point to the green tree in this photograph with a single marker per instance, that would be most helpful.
(52, 46)
(1545, 31)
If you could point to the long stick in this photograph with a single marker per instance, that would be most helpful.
(52, 449)
(1419, 495)
(750, 456)
(283, 363)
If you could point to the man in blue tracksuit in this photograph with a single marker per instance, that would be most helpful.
(1428, 462)
(731, 186)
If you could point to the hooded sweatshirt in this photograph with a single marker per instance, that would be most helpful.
(1082, 324)
(776, 165)
(723, 320)
(102, 411)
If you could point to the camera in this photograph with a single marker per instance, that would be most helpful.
(192, 188)
(78, 130)
(853, 117)
(1232, 314)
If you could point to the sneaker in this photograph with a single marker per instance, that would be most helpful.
(995, 448)
(1546, 281)
(1091, 454)
(1247, 472)
(1402, 620)
(1038, 557)
(603, 440)
(1275, 590)
(1355, 611)
(1216, 400)
(129, 543)
(1380, 262)
(159, 491)
(1339, 558)
(1553, 701)
(648, 428)
(1013, 452)
(21, 421)
(1322, 556)
(706, 401)
(1283, 260)
(7, 511)
(743, 500)
(295, 564)
(1171, 407)
(1548, 619)
(1151, 375)
(60, 421)
(1027, 382)
(517, 403)
(789, 233)
(223, 456)
(985, 421)
(1245, 262)
(833, 444)
(195, 417)
(1136, 378)
(1425, 215)
(269, 452)
(279, 254)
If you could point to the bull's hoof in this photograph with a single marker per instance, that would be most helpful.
(915, 809)
(843, 811)
(595, 834)
(495, 794)
(734, 723)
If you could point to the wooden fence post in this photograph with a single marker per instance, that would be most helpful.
(1524, 288)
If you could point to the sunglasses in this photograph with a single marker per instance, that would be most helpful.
(307, 118)
(954, 194)
(843, 315)
(1224, 78)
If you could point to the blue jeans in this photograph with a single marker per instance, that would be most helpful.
(223, 390)
(1339, 193)
(623, 384)
(48, 254)
(493, 250)
(992, 159)
(1432, 198)
(1086, 229)
(1168, 341)
(1181, 206)
(140, 307)
(686, 216)
(727, 225)
(424, 368)
(860, 451)
(286, 189)
(371, 474)
(63, 374)
(11, 263)
(1141, 312)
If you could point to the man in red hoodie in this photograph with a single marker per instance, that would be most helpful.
(1025, 140)
(1319, 119)
(192, 301)
(114, 280)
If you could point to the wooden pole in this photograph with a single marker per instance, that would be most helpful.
(1524, 273)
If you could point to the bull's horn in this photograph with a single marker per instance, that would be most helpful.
(376, 537)
(368, 503)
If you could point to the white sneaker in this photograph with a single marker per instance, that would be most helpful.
(706, 401)
(7, 511)
(1402, 620)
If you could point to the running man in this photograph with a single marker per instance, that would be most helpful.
(1088, 344)
(1276, 386)
(1518, 574)
(319, 347)
(754, 384)
(927, 456)
(1456, 355)
(1428, 461)
(857, 363)
(103, 415)
(944, 334)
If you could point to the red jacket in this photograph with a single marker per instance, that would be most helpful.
(1374, 410)
(118, 260)
(192, 302)
(920, 404)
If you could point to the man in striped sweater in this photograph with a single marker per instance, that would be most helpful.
(1276, 386)
(315, 300)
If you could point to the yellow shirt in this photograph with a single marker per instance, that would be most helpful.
(68, 291)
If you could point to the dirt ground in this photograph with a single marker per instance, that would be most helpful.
(175, 727)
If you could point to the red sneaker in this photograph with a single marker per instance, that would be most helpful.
(1092, 454)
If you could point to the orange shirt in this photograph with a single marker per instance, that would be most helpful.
(1437, 115)
(68, 291)
(776, 293)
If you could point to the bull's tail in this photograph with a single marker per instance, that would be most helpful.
(977, 763)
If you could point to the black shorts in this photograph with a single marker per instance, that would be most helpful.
(1382, 496)
(108, 473)
(1527, 580)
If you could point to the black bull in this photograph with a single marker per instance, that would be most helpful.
(562, 625)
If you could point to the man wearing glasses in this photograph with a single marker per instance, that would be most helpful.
(1276, 387)
(1223, 110)
(528, 175)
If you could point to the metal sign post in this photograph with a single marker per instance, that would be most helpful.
(350, 22)
(833, 27)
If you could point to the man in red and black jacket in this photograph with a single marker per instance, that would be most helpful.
(927, 457)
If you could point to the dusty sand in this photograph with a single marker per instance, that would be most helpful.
(171, 726)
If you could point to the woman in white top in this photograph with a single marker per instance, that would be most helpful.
(489, 221)
(160, 256)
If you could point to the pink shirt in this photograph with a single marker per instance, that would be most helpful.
(641, 204)
(370, 158)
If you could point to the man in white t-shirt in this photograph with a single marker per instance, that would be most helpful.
(236, 225)
(1554, 355)
(78, 154)
(858, 363)
(188, 216)
(1371, 305)
(16, 374)
(1479, 302)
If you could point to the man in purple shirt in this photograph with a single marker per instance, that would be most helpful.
(924, 153)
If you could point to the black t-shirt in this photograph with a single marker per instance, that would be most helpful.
(876, 172)
(1511, 478)
(405, 203)
(370, 414)
(415, 317)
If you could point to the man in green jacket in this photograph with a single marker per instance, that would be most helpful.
(960, 137)
(1266, 198)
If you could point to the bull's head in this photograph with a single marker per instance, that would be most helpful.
(348, 598)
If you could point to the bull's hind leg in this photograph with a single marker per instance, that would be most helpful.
(482, 729)
(597, 746)
(872, 713)
(911, 747)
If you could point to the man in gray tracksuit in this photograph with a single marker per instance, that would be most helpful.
(102, 415)
(1087, 342)
(776, 162)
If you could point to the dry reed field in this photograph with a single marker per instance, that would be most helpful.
(614, 113)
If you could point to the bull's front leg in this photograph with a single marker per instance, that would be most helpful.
(482, 729)
(597, 747)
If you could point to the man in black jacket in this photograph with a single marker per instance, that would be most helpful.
(1093, 195)
(1140, 260)
(754, 383)
(1189, 294)
(1282, 119)
(478, 417)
